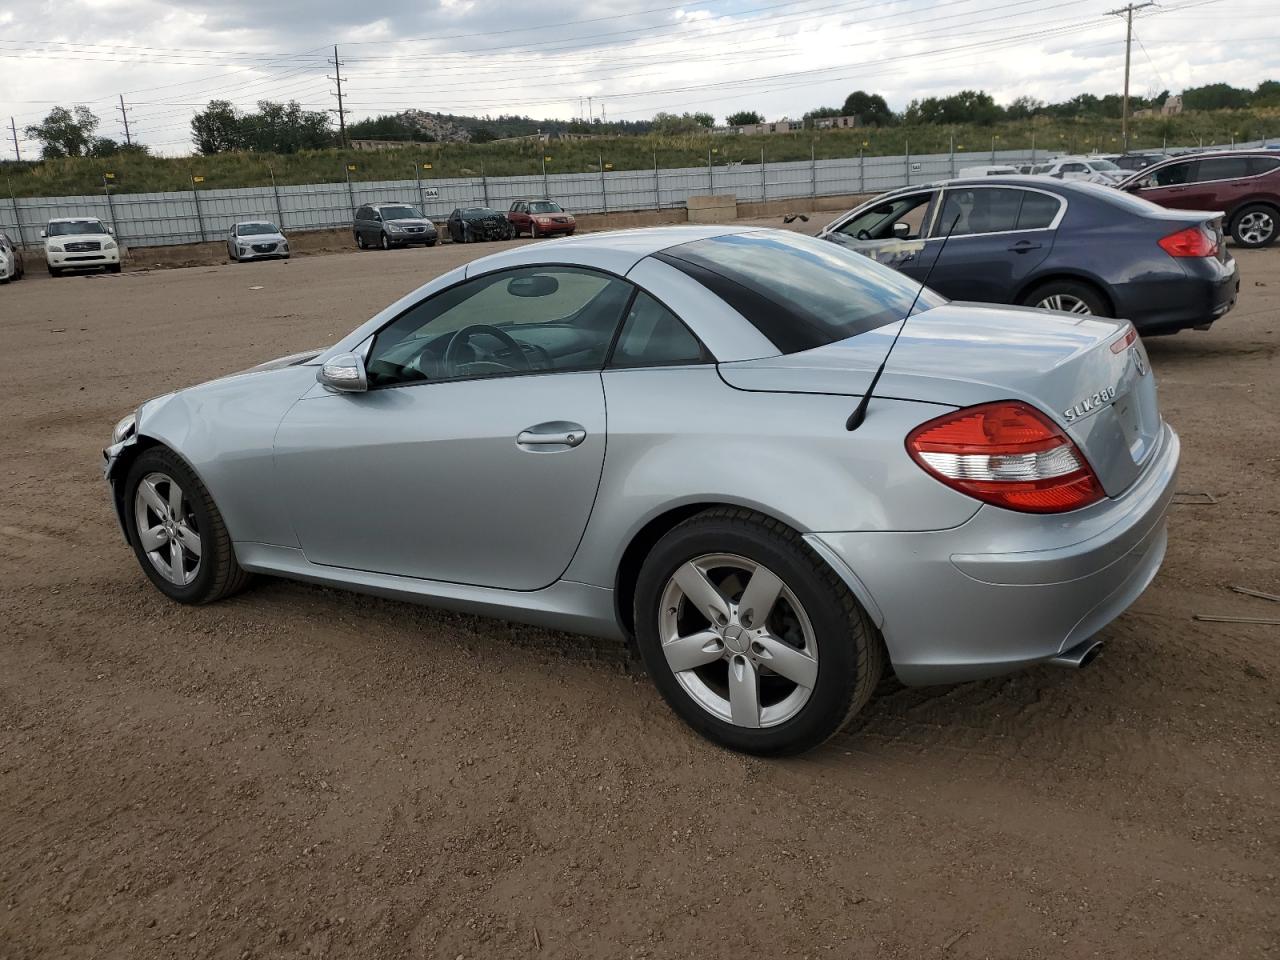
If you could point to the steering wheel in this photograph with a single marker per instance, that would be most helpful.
(453, 352)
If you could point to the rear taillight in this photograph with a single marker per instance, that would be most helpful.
(1007, 454)
(1192, 242)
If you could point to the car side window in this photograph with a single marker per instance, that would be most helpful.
(654, 336)
(877, 223)
(1038, 211)
(518, 321)
(1222, 168)
(979, 210)
(1074, 168)
(1259, 165)
(1173, 175)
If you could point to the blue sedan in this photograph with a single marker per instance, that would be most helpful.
(1058, 245)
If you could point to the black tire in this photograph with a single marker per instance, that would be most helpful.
(430, 243)
(55, 271)
(384, 241)
(1259, 222)
(219, 575)
(533, 231)
(360, 240)
(852, 655)
(1077, 297)
(113, 268)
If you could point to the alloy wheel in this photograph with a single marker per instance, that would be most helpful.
(167, 528)
(1065, 302)
(738, 640)
(1255, 228)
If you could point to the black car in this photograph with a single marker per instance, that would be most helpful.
(1059, 245)
(388, 225)
(468, 224)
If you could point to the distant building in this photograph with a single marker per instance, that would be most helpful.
(754, 129)
(835, 123)
(380, 144)
(1171, 107)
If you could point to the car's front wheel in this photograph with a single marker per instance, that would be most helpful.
(1255, 226)
(176, 531)
(384, 241)
(750, 636)
(360, 239)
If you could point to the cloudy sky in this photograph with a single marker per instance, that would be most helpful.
(632, 58)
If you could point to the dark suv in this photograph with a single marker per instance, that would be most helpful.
(388, 225)
(1245, 185)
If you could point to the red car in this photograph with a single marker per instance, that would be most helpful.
(540, 218)
(1244, 184)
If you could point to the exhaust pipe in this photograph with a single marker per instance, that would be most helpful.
(1079, 656)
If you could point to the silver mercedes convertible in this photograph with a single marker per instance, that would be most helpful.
(779, 466)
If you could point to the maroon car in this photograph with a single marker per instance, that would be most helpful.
(540, 218)
(1244, 184)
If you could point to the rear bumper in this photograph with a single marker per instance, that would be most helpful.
(1007, 590)
(1205, 290)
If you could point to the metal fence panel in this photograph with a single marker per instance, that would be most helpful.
(188, 216)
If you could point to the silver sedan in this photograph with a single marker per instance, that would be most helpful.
(780, 467)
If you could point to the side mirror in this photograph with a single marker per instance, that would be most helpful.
(901, 230)
(343, 374)
(111, 231)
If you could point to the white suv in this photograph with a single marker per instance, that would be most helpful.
(77, 243)
(1092, 169)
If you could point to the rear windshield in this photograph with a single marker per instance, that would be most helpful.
(798, 291)
(74, 227)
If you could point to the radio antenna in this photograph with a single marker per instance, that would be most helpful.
(860, 411)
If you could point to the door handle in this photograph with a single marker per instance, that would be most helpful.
(555, 434)
(1022, 246)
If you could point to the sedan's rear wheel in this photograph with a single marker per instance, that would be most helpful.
(1069, 297)
(177, 532)
(1255, 226)
(750, 636)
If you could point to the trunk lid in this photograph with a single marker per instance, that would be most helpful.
(962, 354)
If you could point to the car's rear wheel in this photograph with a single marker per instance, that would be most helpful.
(749, 635)
(1255, 225)
(176, 531)
(1069, 297)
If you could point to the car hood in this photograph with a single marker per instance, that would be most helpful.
(413, 222)
(262, 238)
(78, 237)
(961, 354)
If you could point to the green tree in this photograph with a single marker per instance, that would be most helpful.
(1215, 96)
(217, 128)
(481, 135)
(65, 133)
(1267, 94)
(743, 118)
(1023, 107)
(673, 123)
(870, 108)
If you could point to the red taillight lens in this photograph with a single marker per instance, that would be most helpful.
(1007, 454)
(1191, 242)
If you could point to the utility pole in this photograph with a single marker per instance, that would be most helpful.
(342, 116)
(124, 115)
(591, 116)
(13, 128)
(1127, 12)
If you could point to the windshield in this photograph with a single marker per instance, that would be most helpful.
(79, 226)
(255, 229)
(1106, 165)
(399, 213)
(545, 206)
(798, 291)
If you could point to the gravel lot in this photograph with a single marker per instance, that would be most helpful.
(304, 772)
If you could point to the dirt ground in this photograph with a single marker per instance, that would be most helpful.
(305, 772)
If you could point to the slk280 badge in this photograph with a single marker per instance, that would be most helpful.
(1090, 403)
